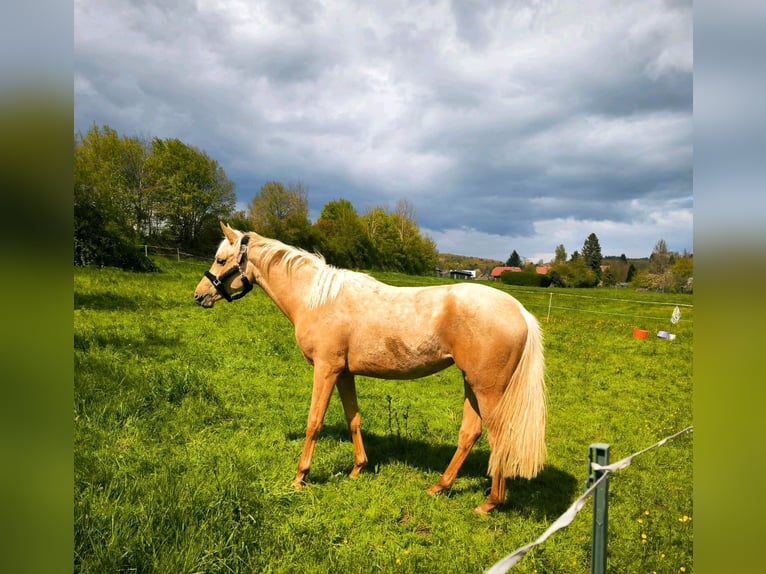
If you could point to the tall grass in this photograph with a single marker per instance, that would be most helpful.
(189, 424)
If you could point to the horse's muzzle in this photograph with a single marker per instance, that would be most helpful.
(204, 300)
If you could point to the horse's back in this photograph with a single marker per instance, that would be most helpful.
(477, 299)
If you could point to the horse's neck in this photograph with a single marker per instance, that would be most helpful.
(288, 288)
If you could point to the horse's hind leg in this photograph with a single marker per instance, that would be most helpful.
(347, 391)
(470, 431)
(497, 491)
(496, 494)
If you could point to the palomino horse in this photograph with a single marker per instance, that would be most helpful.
(348, 324)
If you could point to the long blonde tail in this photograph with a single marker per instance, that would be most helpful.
(518, 421)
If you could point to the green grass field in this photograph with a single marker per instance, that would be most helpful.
(189, 424)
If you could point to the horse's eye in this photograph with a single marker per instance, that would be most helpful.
(220, 261)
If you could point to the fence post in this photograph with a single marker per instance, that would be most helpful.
(178, 254)
(550, 300)
(146, 251)
(599, 453)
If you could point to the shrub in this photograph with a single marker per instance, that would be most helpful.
(525, 278)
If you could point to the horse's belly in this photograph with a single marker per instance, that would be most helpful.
(397, 358)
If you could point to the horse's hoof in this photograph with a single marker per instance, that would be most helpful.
(435, 489)
(484, 509)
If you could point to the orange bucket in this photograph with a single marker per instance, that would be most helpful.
(640, 333)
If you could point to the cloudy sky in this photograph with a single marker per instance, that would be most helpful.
(516, 125)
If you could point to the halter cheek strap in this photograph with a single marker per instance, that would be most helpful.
(220, 282)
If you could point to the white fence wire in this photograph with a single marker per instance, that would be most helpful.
(503, 565)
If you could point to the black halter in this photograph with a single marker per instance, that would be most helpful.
(219, 282)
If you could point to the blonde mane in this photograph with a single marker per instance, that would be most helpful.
(327, 282)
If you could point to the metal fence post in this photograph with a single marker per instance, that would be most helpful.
(599, 453)
(550, 301)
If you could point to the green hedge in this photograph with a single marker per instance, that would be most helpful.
(526, 278)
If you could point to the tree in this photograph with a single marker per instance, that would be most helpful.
(575, 256)
(591, 252)
(631, 273)
(239, 220)
(127, 190)
(561, 254)
(396, 240)
(514, 260)
(109, 199)
(384, 237)
(682, 273)
(573, 274)
(343, 238)
(660, 259)
(282, 213)
(192, 190)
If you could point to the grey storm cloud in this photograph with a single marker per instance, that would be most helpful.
(498, 121)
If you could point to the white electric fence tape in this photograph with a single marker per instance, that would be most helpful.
(505, 564)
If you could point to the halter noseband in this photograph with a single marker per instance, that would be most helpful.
(219, 282)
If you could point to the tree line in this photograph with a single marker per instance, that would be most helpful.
(130, 191)
(664, 270)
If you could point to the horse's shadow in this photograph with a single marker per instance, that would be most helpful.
(548, 494)
(104, 301)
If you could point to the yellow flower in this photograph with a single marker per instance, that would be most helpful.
(406, 552)
(683, 568)
(643, 535)
(662, 555)
(640, 520)
(398, 561)
(646, 512)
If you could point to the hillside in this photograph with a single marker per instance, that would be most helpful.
(452, 261)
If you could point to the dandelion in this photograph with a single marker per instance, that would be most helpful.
(683, 569)
(662, 555)
(646, 512)
(640, 520)
(398, 561)
(406, 552)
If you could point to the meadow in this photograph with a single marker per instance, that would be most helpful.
(189, 423)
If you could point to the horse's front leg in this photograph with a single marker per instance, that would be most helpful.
(347, 391)
(324, 381)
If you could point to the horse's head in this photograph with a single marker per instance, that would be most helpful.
(227, 278)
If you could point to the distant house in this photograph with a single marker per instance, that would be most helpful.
(462, 273)
(542, 269)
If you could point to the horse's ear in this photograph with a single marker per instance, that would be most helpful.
(230, 234)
